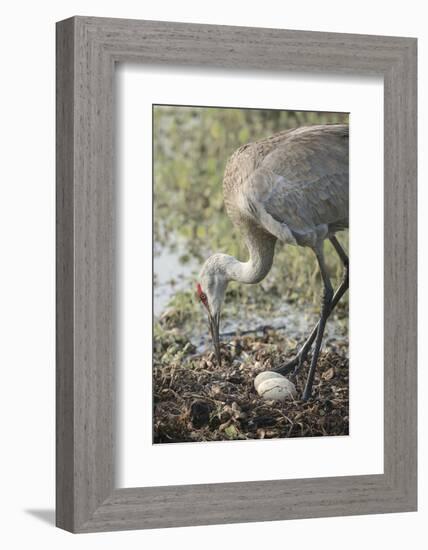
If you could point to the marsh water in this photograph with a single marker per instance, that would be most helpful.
(171, 275)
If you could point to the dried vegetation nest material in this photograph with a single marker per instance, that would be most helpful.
(195, 400)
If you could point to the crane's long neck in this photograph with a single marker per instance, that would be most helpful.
(261, 248)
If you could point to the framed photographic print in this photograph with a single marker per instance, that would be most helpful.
(236, 274)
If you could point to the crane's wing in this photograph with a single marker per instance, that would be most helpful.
(299, 190)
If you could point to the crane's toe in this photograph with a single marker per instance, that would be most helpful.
(292, 366)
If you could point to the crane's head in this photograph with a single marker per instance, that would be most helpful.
(210, 291)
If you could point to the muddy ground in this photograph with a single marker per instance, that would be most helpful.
(195, 400)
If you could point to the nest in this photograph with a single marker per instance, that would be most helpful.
(195, 400)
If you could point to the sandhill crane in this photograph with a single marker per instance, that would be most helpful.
(292, 187)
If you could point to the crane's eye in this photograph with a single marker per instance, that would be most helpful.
(201, 294)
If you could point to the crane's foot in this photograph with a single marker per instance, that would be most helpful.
(307, 393)
(294, 365)
(286, 368)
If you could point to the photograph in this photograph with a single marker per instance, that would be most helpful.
(250, 274)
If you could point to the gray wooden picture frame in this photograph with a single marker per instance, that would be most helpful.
(87, 51)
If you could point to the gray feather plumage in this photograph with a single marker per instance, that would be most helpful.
(293, 185)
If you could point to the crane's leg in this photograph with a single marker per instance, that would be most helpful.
(326, 302)
(295, 364)
(340, 252)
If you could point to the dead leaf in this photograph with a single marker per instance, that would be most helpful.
(328, 374)
(231, 431)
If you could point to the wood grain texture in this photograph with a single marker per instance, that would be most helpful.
(87, 49)
(64, 276)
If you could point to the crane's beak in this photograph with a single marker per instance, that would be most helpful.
(214, 323)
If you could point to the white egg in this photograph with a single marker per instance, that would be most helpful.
(277, 389)
(266, 375)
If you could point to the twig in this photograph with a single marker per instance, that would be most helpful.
(261, 328)
(204, 398)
